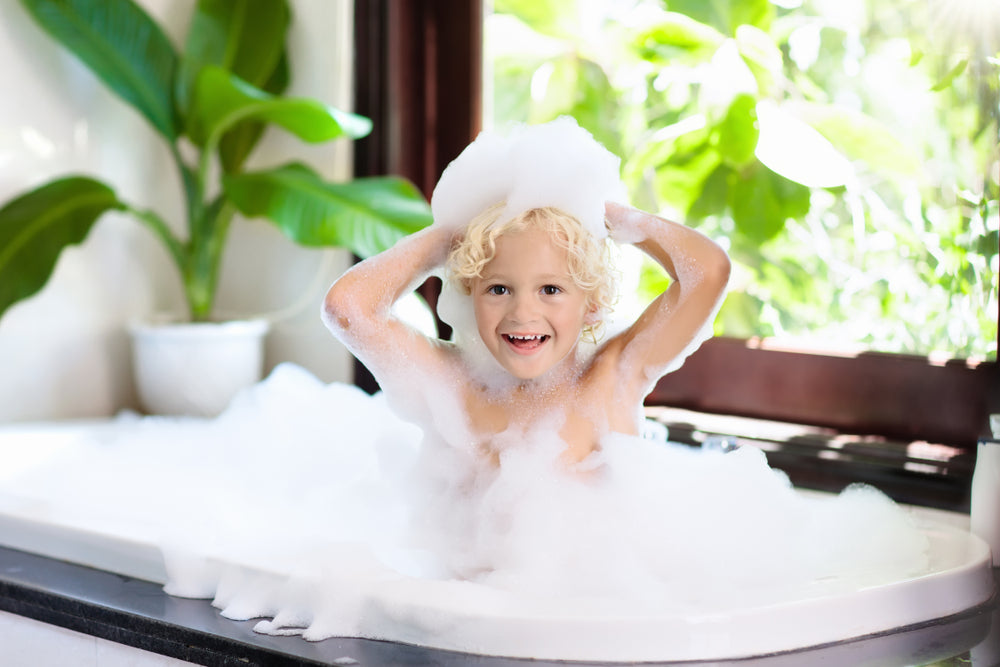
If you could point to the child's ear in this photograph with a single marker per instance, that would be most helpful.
(592, 316)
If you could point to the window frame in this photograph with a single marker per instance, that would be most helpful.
(418, 75)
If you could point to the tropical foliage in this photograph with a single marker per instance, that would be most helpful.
(847, 152)
(210, 103)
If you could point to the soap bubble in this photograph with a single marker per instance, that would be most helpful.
(557, 164)
(304, 500)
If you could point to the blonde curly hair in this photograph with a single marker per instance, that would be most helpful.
(589, 257)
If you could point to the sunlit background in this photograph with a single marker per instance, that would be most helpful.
(844, 151)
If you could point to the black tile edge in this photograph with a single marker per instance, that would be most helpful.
(125, 627)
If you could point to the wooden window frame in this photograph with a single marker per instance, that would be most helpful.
(419, 77)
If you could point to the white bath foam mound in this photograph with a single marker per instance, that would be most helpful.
(675, 530)
(305, 504)
(556, 164)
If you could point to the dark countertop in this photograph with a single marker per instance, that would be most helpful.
(138, 613)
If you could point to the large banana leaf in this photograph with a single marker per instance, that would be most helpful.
(247, 38)
(366, 215)
(37, 226)
(239, 142)
(222, 101)
(123, 46)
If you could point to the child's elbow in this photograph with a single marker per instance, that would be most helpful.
(721, 269)
(716, 268)
(337, 307)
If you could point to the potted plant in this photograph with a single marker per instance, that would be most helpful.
(210, 103)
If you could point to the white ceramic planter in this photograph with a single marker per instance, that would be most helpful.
(195, 368)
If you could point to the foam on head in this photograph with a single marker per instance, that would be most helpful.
(557, 164)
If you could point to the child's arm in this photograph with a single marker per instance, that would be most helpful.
(664, 331)
(358, 307)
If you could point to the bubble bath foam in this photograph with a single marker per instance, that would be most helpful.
(278, 510)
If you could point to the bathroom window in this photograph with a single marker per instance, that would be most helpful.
(845, 152)
(904, 364)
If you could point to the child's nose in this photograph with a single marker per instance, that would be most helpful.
(523, 309)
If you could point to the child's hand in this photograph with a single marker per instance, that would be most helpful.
(623, 222)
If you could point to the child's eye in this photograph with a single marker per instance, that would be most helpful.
(497, 290)
(551, 290)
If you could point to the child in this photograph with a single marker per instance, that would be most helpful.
(539, 283)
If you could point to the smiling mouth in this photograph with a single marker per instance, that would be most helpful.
(525, 343)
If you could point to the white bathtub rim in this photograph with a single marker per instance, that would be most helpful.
(739, 633)
(428, 613)
(465, 617)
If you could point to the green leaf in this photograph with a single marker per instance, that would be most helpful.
(245, 38)
(666, 138)
(222, 101)
(123, 46)
(653, 280)
(37, 226)
(580, 88)
(512, 90)
(676, 33)
(713, 199)
(239, 142)
(726, 15)
(860, 137)
(549, 17)
(739, 316)
(365, 215)
(560, 90)
(758, 47)
(681, 179)
(681, 183)
(762, 55)
(737, 133)
(791, 147)
(950, 76)
(763, 200)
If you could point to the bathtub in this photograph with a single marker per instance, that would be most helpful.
(468, 617)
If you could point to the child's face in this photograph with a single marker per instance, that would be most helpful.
(529, 312)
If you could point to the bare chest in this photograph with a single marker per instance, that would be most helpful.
(577, 416)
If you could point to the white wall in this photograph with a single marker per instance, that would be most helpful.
(64, 353)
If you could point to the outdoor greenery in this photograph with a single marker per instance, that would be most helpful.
(845, 150)
(210, 103)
